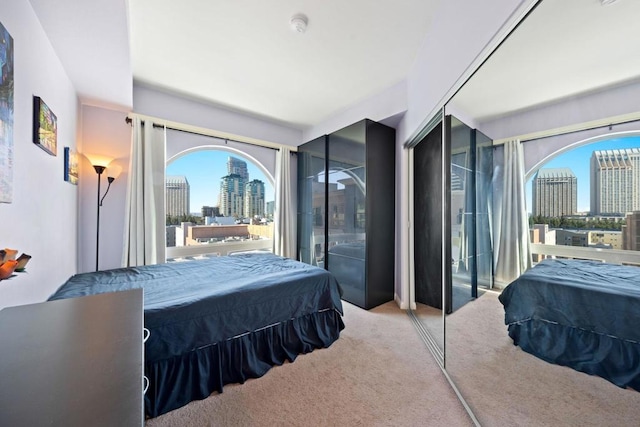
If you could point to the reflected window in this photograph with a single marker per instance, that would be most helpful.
(584, 197)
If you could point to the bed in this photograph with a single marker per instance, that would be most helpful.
(581, 314)
(221, 320)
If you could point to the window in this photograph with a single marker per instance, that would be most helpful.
(218, 202)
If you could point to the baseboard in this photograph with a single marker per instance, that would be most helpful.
(403, 305)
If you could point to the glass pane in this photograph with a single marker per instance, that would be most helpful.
(462, 218)
(311, 202)
(347, 210)
(484, 200)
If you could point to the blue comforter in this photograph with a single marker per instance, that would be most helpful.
(230, 318)
(582, 314)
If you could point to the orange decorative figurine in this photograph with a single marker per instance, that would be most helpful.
(7, 268)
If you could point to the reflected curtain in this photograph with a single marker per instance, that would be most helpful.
(512, 249)
(144, 240)
(463, 192)
(284, 243)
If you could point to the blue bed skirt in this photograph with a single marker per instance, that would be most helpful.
(176, 381)
(221, 320)
(606, 356)
(580, 314)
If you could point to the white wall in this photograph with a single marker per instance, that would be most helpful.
(104, 133)
(379, 107)
(42, 220)
(182, 110)
(462, 29)
(616, 101)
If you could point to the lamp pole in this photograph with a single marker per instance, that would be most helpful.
(99, 170)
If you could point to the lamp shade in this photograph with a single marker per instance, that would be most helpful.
(114, 169)
(99, 159)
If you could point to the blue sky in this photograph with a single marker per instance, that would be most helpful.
(204, 169)
(578, 160)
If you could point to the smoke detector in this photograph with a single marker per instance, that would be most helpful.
(299, 23)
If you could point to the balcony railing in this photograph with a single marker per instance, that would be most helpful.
(175, 253)
(614, 256)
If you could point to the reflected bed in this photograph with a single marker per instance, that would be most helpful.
(221, 320)
(581, 314)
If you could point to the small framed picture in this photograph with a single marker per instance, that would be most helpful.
(45, 127)
(70, 165)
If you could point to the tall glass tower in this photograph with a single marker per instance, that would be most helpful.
(231, 196)
(254, 199)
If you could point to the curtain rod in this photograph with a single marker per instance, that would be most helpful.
(195, 130)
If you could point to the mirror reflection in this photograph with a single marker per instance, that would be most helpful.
(429, 202)
(471, 198)
(560, 83)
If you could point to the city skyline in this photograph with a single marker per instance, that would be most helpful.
(578, 160)
(205, 168)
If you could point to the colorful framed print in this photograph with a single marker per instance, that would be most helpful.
(45, 127)
(6, 116)
(70, 166)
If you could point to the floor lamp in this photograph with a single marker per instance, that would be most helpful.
(100, 168)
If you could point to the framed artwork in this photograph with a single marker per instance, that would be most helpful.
(6, 116)
(45, 127)
(70, 165)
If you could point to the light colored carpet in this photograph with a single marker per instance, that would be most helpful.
(379, 373)
(506, 386)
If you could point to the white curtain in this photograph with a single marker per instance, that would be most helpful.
(512, 247)
(144, 240)
(284, 239)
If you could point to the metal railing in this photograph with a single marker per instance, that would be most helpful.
(217, 249)
(614, 256)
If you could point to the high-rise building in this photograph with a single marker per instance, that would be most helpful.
(615, 181)
(238, 167)
(231, 192)
(631, 232)
(177, 194)
(254, 198)
(555, 193)
(270, 210)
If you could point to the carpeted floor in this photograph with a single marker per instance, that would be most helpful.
(507, 387)
(379, 373)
